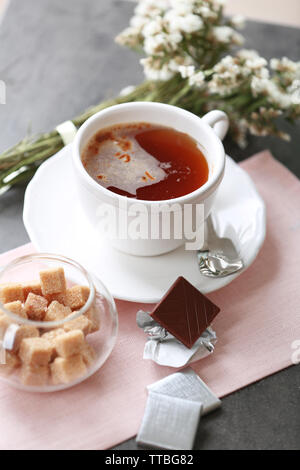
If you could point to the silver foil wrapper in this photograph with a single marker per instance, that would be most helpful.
(164, 349)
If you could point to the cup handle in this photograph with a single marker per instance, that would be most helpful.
(219, 121)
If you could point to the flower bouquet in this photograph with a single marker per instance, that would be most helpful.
(192, 58)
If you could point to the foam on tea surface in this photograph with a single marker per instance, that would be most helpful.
(145, 161)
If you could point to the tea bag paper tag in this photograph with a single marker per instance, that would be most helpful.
(169, 422)
(127, 90)
(164, 349)
(67, 130)
(9, 337)
(187, 384)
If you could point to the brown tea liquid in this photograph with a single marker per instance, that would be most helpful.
(145, 161)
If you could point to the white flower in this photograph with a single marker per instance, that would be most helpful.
(286, 70)
(183, 7)
(240, 129)
(186, 24)
(161, 43)
(229, 67)
(238, 21)
(294, 91)
(294, 87)
(237, 39)
(180, 61)
(138, 22)
(153, 27)
(197, 80)
(206, 12)
(172, 20)
(272, 92)
(258, 130)
(154, 45)
(284, 136)
(261, 85)
(191, 23)
(228, 75)
(275, 64)
(262, 73)
(247, 54)
(268, 112)
(227, 35)
(151, 8)
(285, 65)
(129, 37)
(174, 39)
(257, 63)
(186, 71)
(154, 71)
(227, 63)
(253, 61)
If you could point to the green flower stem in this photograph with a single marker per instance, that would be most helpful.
(30, 152)
(21, 178)
(25, 157)
(183, 92)
(257, 104)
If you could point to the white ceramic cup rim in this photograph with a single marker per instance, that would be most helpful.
(203, 192)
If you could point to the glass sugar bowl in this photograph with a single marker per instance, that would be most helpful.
(58, 323)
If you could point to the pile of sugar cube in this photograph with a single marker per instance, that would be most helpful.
(48, 356)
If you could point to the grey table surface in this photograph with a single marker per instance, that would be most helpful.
(58, 58)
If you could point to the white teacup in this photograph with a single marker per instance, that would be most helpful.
(207, 131)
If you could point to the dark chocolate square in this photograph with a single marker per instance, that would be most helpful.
(185, 312)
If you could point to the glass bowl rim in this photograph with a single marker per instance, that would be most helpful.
(52, 256)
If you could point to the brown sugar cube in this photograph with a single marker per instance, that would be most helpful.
(77, 296)
(50, 336)
(35, 351)
(56, 312)
(61, 298)
(25, 331)
(12, 361)
(53, 281)
(80, 323)
(11, 293)
(66, 370)
(5, 321)
(85, 292)
(88, 354)
(33, 287)
(93, 316)
(69, 344)
(34, 376)
(35, 307)
(16, 308)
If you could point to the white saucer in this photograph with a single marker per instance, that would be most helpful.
(56, 223)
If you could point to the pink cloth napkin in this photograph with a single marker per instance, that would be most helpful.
(256, 328)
